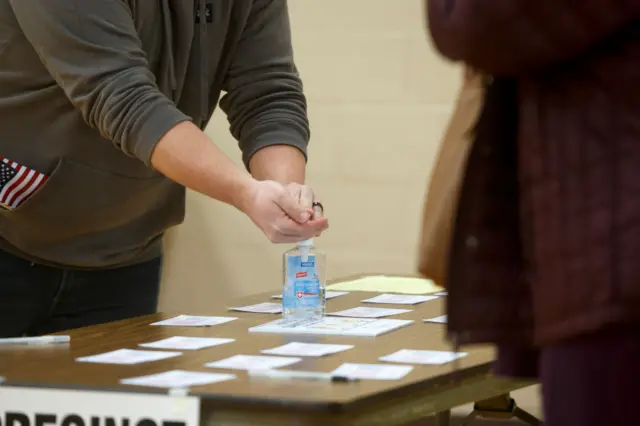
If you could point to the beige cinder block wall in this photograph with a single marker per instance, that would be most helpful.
(378, 100)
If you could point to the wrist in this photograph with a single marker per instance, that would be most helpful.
(243, 193)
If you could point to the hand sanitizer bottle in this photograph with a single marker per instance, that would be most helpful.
(304, 286)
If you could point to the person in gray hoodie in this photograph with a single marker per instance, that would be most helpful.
(102, 111)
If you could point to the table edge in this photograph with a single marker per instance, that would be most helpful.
(228, 400)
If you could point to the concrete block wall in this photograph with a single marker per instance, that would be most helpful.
(379, 97)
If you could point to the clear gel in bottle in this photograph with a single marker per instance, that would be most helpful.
(304, 285)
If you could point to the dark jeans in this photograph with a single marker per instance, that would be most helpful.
(36, 299)
(587, 381)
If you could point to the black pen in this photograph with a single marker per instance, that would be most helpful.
(299, 375)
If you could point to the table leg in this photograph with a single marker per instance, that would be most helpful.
(527, 417)
(470, 418)
(501, 407)
(443, 418)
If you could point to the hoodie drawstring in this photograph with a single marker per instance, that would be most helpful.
(202, 59)
(168, 77)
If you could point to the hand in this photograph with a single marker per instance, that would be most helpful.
(283, 213)
(305, 196)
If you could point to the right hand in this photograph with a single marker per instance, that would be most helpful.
(281, 217)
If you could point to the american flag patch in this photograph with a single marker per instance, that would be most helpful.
(17, 183)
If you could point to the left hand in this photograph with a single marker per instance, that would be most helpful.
(306, 197)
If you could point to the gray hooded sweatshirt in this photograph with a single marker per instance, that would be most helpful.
(88, 87)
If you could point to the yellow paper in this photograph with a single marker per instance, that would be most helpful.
(387, 284)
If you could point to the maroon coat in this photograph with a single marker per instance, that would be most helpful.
(547, 242)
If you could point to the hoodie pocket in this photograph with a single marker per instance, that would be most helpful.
(93, 214)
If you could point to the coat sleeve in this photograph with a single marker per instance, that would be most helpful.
(265, 103)
(92, 51)
(511, 37)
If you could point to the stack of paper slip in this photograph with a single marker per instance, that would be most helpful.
(261, 308)
(306, 349)
(363, 312)
(327, 294)
(372, 371)
(253, 362)
(410, 356)
(177, 379)
(186, 343)
(194, 321)
(399, 299)
(368, 327)
(438, 320)
(128, 357)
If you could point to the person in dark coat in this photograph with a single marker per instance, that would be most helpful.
(545, 260)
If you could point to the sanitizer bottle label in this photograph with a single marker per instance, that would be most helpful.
(303, 284)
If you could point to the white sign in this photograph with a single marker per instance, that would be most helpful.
(55, 407)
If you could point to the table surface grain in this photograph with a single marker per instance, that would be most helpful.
(54, 366)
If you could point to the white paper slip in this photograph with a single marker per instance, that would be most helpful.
(306, 349)
(177, 379)
(128, 356)
(194, 321)
(441, 294)
(336, 326)
(399, 299)
(410, 356)
(186, 343)
(261, 308)
(439, 320)
(363, 312)
(372, 371)
(328, 294)
(253, 362)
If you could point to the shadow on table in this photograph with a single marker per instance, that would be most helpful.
(456, 420)
(528, 399)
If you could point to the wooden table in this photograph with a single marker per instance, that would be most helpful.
(426, 391)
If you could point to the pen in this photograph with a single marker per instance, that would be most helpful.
(35, 341)
(300, 375)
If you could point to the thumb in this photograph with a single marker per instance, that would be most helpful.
(306, 197)
(293, 208)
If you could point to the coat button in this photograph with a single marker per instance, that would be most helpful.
(471, 242)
